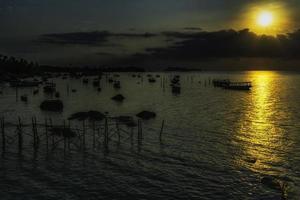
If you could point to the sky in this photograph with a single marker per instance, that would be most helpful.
(29, 27)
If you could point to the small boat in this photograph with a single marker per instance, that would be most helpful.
(85, 81)
(152, 80)
(57, 94)
(96, 83)
(238, 86)
(35, 91)
(49, 88)
(117, 85)
(176, 89)
(110, 80)
(24, 98)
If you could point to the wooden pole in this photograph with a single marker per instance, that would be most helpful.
(64, 135)
(36, 133)
(51, 126)
(161, 130)
(140, 133)
(69, 127)
(118, 131)
(46, 133)
(20, 136)
(83, 136)
(106, 134)
(3, 135)
(94, 136)
(34, 136)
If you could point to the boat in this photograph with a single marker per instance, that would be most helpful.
(151, 80)
(49, 88)
(117, 85)
(96, 82)
(238, 85)
(24, 98)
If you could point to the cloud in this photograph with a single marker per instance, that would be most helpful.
(192, 28)
(87, 38)
(228, 43)
(83, 38)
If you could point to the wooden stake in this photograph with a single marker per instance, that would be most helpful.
(46, 133)
(20, 136)
(161, 130)
(3, 135)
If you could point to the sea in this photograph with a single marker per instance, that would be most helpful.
(215, 143)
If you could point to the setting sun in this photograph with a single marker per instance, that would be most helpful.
(269, 19)
(265, 19)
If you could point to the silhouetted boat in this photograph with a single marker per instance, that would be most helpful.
(49, 88)
(24, 98)
(85, 81)
(96, 83)
(152, 80)
(117, 85)
(238, 85)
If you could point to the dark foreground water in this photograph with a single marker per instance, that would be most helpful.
(217, 144)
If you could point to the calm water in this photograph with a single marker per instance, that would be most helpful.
(218, 144)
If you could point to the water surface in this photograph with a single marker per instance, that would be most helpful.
(217, 144)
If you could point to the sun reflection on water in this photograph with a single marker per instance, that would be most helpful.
(260, 138)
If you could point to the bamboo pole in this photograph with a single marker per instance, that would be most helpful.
(94, 136)
(34, 136)
(20, 136)
(3, 135)
(64, 135)
(83, 134)
(106, 134)
(53, 139)
(118, 131)
(46, 133)
(161, 130)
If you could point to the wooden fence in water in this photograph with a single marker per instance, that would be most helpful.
(49, 137)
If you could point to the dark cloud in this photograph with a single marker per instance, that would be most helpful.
(104, 54)
(228, 43)
(192, 28)
(83, 38)
(87, 38)
(181, 35)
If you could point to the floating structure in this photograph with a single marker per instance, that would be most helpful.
(96, 83)
(146, 115)
(152, 80)
(49, 88)
(52, 105)
(227, 84)
(118, 98)
(24, 98)
(117, 85)
(238, 86)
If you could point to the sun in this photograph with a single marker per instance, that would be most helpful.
(265, 19)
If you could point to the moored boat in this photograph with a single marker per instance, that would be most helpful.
(238, 85)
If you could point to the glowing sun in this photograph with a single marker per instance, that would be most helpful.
(265, 19)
